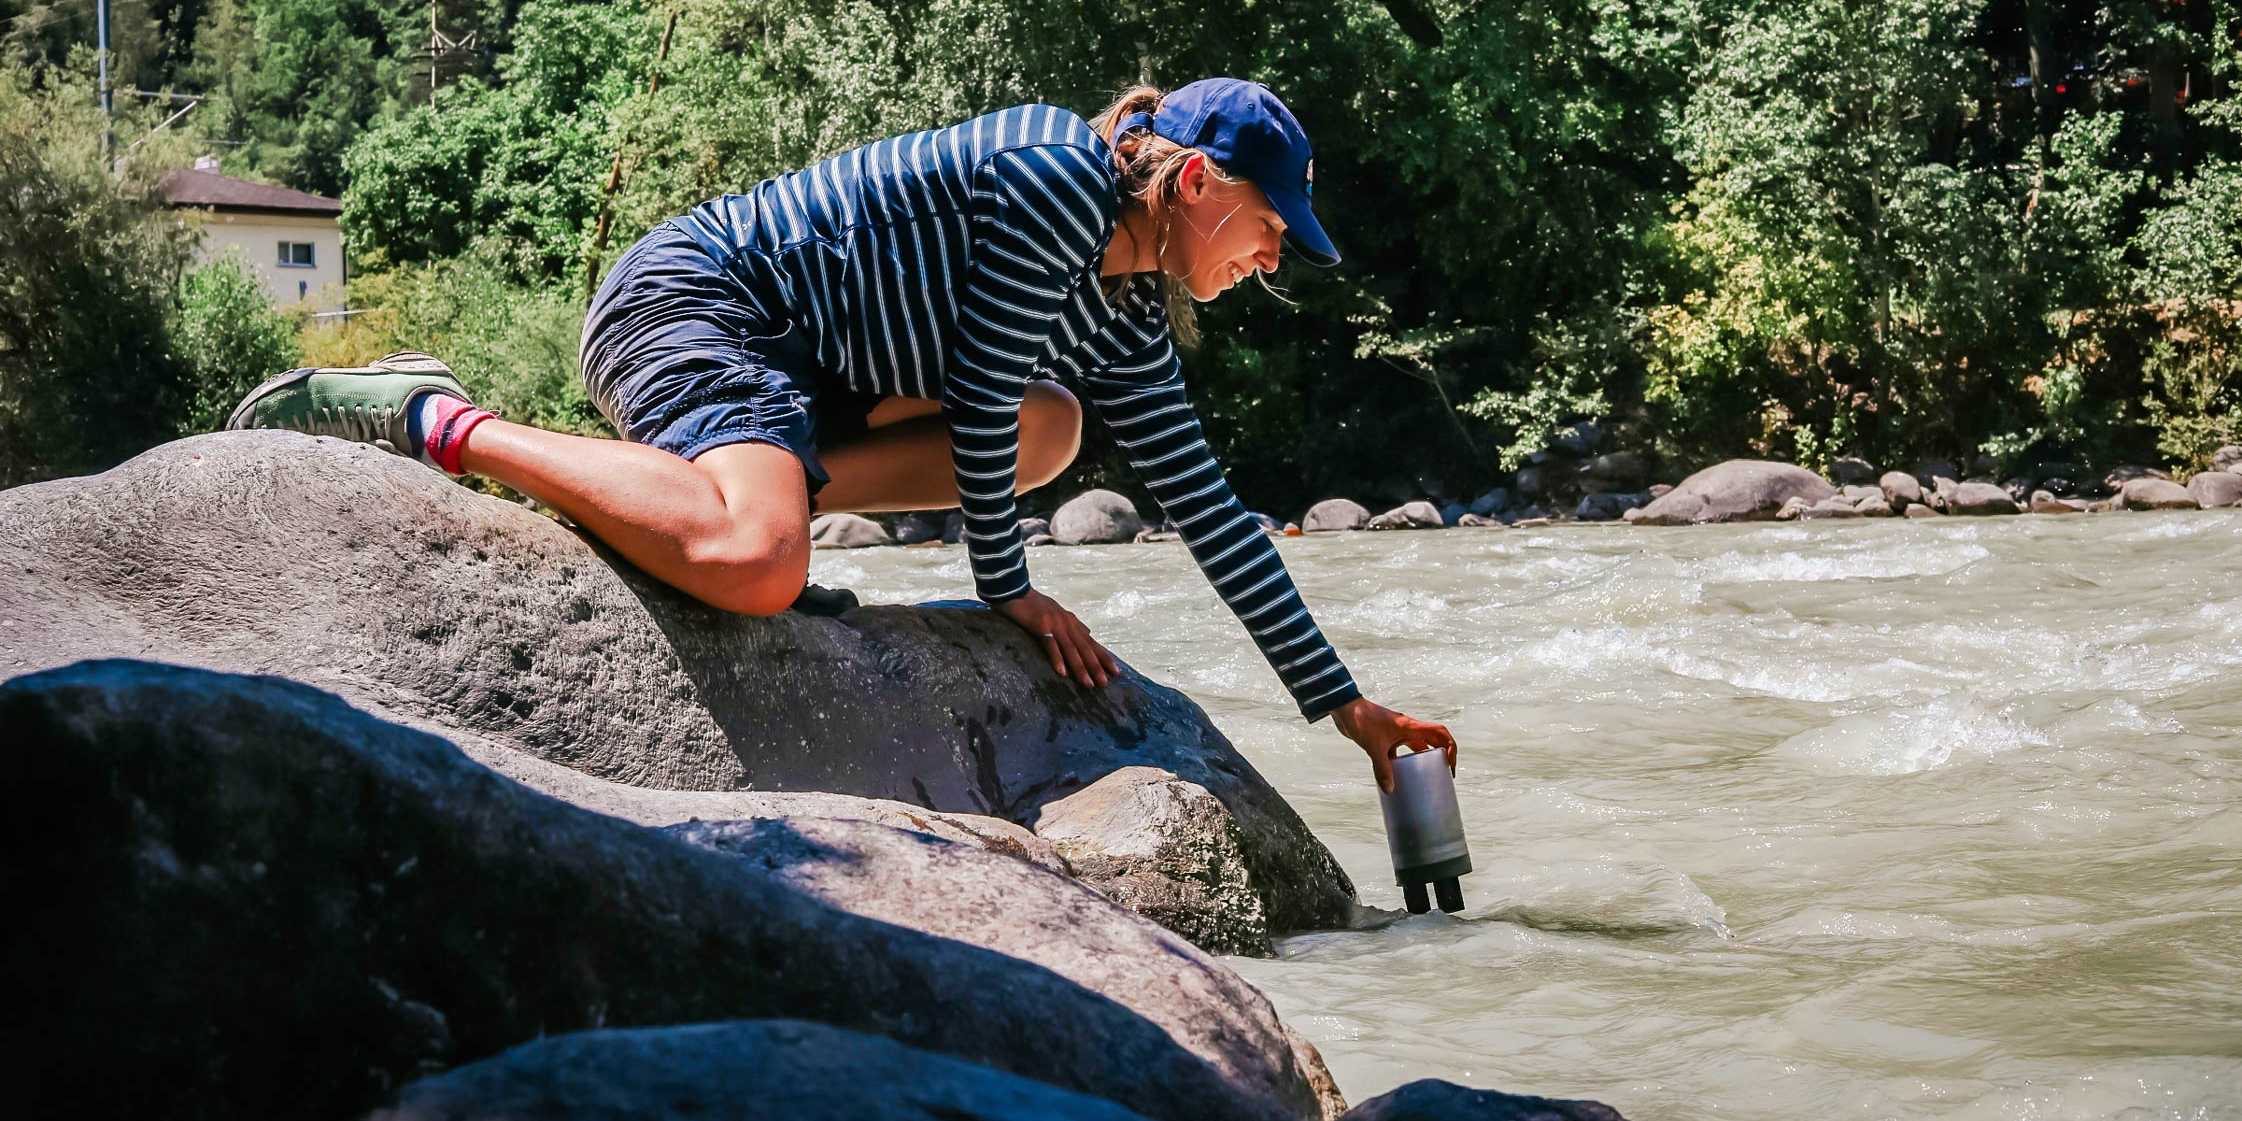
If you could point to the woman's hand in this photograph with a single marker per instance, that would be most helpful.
(1072, 651)
(1379, 730)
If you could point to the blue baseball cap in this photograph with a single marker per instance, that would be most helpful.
(1242, 127)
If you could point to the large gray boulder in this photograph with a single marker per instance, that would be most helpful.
(1739, 490)
(1851, 470)
(1430, 1099)
(2212, 489)
(1096, 517)
(2228, 458)
(744, 1070)
(472, 617)
(1901, 489)
(1980, 499)
(257, 901)
(1164, 848)
(847, 531)
(1334, 514)
(1409, 515)
(2147, 492)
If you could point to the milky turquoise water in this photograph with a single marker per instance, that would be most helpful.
(1870, 819)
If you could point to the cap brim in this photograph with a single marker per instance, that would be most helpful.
(1302, 231)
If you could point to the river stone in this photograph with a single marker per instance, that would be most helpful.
(2212, 489)
(916, 529)
(1921, 511)
(1031, 527)
(1166, 849)
(1620, 470)
(1608, 507)
(1980, 499)
(1578, 438)
(472, 617)
(1431, 1099)
(741, 1069)
(846, 531)
(2228, 458)
(1735, 491)
(264, 902)
(1494, 501)
(1037, 541)
(1333, 514)
(1479, 521)
(2119, 476)
(953, 528)
(1901, 488)
(2150, 493)
(1409, 515)
(2045, 503)
(1531, 481)
(1875, 507)
(1848, 471)
(1930, 469)
(1096, 517)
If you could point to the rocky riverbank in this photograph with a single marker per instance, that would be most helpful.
(346, 785)
(1572, 481)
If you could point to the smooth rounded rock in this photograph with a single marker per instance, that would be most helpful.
(846, 531)
(1432, 1099)
(1409, 515)
(1096, 517)
(1734, 491)
(2228, 458)
(1333, 515)
(1980, 499)
(2150, 493)
(1900, 488)
(2212, 489)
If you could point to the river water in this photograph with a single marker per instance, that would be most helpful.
(1864, 819)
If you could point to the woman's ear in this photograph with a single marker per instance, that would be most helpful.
(1191, 181)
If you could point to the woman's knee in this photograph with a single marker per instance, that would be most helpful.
(1050, 433)
(749, 571)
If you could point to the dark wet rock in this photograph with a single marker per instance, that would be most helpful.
(2060, 486)
(1494, 501)
(1920, 511)
(1623, 471)
(846, 531)
(1608, 507)
(953, 528)
(1166, 849)
(2152, 493)
(1978, 499)
(1734, 491)
(740, 1069)
(488, 624)
(915, 529)
(2228, 458)
(1531, 481)
(264, 902)
(1935, 469)
(1030, 527)
(1452, 513)
(2045, 503)
(1900, 488)
(1431, 1099)
(1096, 517)
(1333, 514)
(2212, 489)
(1579, 438)
(1478, 521)
(1409, 515)
(1850, 471)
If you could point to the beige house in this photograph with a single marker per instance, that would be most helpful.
(294, 240)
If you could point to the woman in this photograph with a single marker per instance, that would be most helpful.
(881, 332)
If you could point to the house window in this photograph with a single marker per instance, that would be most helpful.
(295, 255)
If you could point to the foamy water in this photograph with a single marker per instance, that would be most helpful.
(1886, 819)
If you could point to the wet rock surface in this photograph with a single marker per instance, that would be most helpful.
(1737, 490)
(1166, 849)
(1334, 514)
(1096, 517)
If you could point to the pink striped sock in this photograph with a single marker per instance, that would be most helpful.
(445, 421)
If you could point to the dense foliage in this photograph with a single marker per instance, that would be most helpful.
(1795, 228)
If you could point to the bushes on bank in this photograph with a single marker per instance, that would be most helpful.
(228, 338)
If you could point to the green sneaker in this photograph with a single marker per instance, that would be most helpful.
(366, 404)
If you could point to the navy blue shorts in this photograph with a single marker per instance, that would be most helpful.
(680, 356)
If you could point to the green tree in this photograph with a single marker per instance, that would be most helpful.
(227, 337)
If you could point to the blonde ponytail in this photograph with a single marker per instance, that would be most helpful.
(1150, 168)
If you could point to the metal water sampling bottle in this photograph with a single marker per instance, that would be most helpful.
(1425, 830)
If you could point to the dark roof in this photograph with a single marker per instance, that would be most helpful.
(224, 192)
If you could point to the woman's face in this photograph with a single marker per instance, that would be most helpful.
(1219, 233)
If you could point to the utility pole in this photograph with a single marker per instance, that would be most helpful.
(439, 45)
(108, 106)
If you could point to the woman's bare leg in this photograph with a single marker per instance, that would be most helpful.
(903, 463)
(730, 528)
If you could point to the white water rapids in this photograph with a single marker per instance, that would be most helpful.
(1865, 819)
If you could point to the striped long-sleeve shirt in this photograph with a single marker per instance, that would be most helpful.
(960, 264)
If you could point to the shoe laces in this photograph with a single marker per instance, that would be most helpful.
(365, 424)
